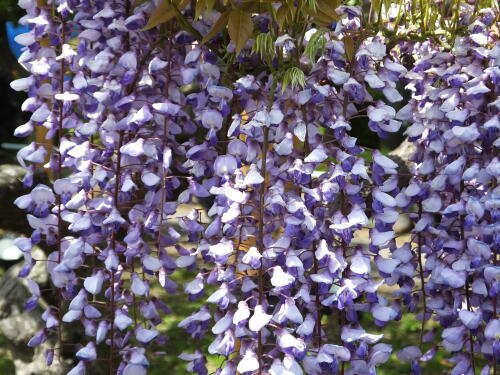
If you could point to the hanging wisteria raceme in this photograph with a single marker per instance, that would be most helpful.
(148, 107)
(108, 95)
(280, 240)
(455, 126)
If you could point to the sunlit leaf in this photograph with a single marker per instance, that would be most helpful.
(256, 6)
(139, 2)
(319, 16)
(45, 42)
(240, 27)
(349, 48)
(374, 6)
(164, 13)
(283, 14)
(328, 7)
(312, 4)
(203, 5)
(73, 42)
(218, 26)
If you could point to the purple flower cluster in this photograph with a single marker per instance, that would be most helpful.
(108, 95)
(288, 191)
(141, 123)
(454, 113)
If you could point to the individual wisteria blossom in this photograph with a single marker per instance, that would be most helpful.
(148, 109)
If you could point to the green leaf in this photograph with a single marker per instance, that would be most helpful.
(240, 28)
(264, 46)
(293, 77)
(317, 43)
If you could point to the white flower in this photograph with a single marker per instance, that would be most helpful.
(259, 319)
(317, 155)
(248, 363)
(222, 249)
(281, 278)
(93, 284)
(253, 176)
(242, 313)
(122, 321)
(360, 264)
(139, 287)
(383, 313)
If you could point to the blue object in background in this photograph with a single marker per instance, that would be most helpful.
(12, 32)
